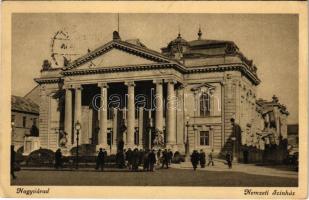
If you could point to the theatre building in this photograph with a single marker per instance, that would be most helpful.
(124, 91)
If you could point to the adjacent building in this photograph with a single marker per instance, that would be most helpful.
(24, 118)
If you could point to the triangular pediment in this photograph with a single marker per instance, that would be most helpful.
(117, 54)
(114, 58)
(204, 87)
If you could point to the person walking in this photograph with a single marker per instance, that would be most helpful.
(202, 158)
(13, 154)
(152, 160)
(165, 158)
(135, 160)
(229, 159)
(100, 160)
(159, 157)
(210, 158)
(146, 161)
(170, 156)
(129, 155)
(141, 154)
(194, 159)
(58, 159)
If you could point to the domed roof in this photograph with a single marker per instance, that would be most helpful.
(178, 41)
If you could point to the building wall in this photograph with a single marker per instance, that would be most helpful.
(19, 131)
(49, 117)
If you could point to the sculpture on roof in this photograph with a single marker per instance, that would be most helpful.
(46, 65)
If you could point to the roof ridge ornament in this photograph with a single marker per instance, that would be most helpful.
(199, 33)
(116, 35)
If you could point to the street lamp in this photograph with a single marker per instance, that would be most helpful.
(187, 142)
(77, 128)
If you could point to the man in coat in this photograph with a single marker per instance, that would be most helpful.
(152, 160)
(170, 156)
(194, 159)
(165, 158)
(210, 158)
(58, 159)
(100, 160)
(229, 159)
(129, 155)
(202, 158)
(13, 162)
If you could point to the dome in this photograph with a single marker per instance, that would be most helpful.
(179, 41)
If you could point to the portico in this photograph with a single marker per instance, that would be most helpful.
(123, 109)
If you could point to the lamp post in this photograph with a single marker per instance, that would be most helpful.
(77, 128)
(187, 142)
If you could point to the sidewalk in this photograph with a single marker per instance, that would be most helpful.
(239, 167)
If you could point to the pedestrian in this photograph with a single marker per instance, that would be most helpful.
(202, 158)
(123, 158)
(229, 159)
(159, 157)
(210, 158)
(170, 156)
(58, 159)
(129, 158)
(146, 161)
(120, 159)
(13, 154)
(120, 145)
(165, 158)
(141, 154)
(152, 160)
(100, 160)
(194, 159)
(135, 160)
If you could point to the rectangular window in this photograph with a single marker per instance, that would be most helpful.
(204, 138)
(34, 121)
(204, 105)
(24, 121)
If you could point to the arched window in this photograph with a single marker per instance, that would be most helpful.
(204, 104)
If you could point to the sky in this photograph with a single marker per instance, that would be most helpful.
(271, 40)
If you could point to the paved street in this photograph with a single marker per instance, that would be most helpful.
(176, 176)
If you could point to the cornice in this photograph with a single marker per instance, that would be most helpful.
(228, 67)
(49, 80)
(124, 69)
(211, 68)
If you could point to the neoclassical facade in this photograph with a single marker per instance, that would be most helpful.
(124, 91)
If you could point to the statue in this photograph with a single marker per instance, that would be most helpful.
(159, 138)
(63, 139)
(46, 65)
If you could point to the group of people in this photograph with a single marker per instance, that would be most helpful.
(200, 158)
(132, 159)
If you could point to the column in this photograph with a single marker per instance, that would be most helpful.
(103, 115)
(68, 115)
(159, 105)
(171, 113)
(130, 114)
(78, 110)
(115, 128)
(140, 126)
